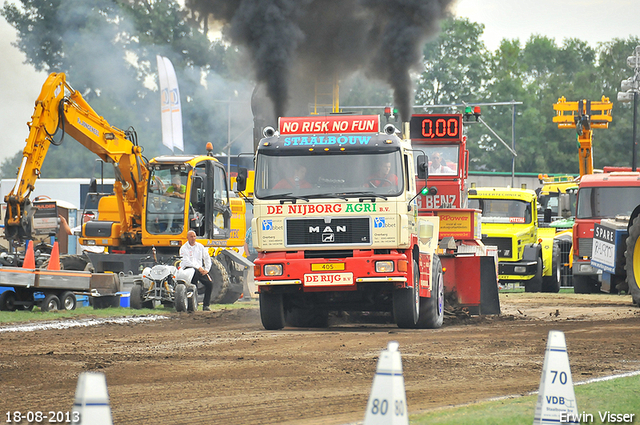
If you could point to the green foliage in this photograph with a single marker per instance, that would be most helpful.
(108, 50)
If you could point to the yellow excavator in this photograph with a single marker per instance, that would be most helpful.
(154, 203)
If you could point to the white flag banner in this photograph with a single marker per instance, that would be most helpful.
(176, 108)
(165, 104)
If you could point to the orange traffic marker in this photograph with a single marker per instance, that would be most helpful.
(54, 260)
(29, 257)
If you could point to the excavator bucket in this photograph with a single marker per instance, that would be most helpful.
(471, 283)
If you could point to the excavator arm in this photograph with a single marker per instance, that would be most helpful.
(60, 110)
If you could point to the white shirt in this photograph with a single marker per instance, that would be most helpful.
(195, 256)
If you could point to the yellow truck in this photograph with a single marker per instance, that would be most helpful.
(526, 252)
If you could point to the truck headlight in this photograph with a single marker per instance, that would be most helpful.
(519, 269)
(384, 266)
(273, 270)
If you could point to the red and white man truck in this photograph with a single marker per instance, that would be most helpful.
(337, 226)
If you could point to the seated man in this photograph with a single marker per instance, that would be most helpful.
(439, 166)
(177, 189)
(296, 180)
(383, 176)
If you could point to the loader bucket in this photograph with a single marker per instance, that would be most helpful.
(471, 283)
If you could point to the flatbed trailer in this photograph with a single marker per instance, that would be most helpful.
(59, 287)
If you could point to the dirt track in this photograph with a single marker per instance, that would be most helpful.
(223, 368)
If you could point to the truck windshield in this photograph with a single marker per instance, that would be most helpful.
(607, 202)
(165, 203)
(329, 175)
(503, 210)
(552, 201)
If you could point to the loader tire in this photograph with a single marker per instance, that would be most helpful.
(271, 311)
(432, 308)
(632, 257)
(221, 281)
(552, 283)
(69, 262)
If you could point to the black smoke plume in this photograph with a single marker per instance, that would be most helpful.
(294, 43)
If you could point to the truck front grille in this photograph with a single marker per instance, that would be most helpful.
(505, 250)
(327, 231)
(585, 247)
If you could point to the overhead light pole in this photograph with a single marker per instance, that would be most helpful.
(629, 93)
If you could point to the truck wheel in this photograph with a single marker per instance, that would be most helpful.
(271, 311)
(584, 285)
(181, 303)
(552, 283)
(7, 301)
(632, 256)
(51, 302)
(192, 297)
(406, 303)
(135, 298)
(68, 301)
(432, 309)
(535, 283)
(221, 282)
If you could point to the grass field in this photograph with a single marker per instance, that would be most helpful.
(81, 312)
(617, 396)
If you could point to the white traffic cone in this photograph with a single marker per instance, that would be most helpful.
(388, 400)
(91, 404)
(556, 398)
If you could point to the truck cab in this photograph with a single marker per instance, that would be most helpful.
(600, 196)
(526, 253)
(336, 225)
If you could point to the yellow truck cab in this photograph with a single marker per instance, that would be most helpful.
(525, 251)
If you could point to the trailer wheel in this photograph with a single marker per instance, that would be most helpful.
(135, 298)
(7, 301)
(181, 302)
(406, 303)
(535, 283)
(51, 302)
(271, 311)
(68, 300)
(432, 309)
(552, 283)
(632, 256)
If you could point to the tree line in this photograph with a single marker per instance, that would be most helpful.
(107, 48)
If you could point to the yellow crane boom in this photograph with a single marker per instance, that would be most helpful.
(583, 115)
